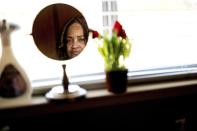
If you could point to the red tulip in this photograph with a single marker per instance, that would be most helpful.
(119, 30)
(95, 34)
(123, 34)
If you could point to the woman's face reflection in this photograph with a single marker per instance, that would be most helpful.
(64, 33)
(76, 41)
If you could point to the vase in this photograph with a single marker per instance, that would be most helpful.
(15, 86)
(116, 81)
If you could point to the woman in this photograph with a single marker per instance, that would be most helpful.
(73, 38)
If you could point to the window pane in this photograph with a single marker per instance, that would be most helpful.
(105, 6)
(114, 5)
(163, 34)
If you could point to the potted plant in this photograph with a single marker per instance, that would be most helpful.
(114, 49)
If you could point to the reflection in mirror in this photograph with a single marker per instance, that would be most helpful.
(60, 31)
(73, 38)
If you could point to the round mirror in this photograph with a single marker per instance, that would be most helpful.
(60, 31)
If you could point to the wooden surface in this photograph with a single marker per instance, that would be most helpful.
(162, 103)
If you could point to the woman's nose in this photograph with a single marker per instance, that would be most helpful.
(75, 43)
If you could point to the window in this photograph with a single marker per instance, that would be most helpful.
(110, 14)
(163, 32)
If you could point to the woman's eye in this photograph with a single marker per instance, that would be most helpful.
(81, 40)
(69, 40)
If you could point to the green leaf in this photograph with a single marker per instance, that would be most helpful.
(114, 50)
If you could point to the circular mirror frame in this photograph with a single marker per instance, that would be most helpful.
(49, 25)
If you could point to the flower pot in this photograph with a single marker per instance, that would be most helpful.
(116, 81)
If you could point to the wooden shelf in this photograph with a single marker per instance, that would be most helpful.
(146, 99)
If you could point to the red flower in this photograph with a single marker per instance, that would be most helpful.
(123, 34)
(116, 28)
(95, 34)
(119, 30)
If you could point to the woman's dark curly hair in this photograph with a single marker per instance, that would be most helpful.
(62, 51)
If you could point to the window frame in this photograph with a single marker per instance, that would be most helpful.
(142, 77)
